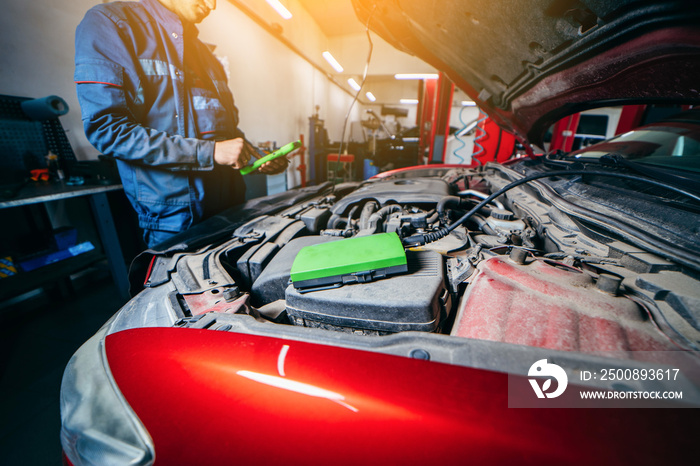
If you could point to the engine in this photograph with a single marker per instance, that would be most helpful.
(519, 271)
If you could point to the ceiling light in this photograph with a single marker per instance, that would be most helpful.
(416, 76)
(279, 8)
(468, 103)
(332, 61)
(371, 97)
(409, 101)
(354, 84)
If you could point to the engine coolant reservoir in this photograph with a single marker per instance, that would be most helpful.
(501, 219)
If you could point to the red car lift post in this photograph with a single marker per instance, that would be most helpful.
(435, 104)
(630, 118)
(426, 109)
(564, 132)
(441, 120)
(302, 164)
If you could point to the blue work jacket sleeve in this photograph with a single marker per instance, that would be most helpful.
(111, 102)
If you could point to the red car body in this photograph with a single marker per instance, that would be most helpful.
(216, 397)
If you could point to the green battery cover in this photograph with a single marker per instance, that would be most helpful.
(353, 260)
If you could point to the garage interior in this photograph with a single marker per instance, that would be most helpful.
(306, 73)
(284, 89)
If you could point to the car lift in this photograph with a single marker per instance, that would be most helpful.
(434, 106)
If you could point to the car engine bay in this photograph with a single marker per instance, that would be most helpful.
(523, 271)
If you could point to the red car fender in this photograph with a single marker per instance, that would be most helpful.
(211, 397)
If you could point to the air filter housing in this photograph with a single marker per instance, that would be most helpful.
(416, 300)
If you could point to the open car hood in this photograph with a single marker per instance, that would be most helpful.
(529, 63)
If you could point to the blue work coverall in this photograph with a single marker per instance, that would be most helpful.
(154, 97)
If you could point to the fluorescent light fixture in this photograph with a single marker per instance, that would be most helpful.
(279, 8)
(371, 97)
(332, 61)
(468, 103)
(416, 76)
(354, 84)
(409, 101)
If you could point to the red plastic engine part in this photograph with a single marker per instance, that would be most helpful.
(543, 305)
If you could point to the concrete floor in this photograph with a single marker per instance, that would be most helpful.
(37, 338)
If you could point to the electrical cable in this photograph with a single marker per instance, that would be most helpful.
(362, 84)
(419, 240)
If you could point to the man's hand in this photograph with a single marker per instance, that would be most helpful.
(236, 153)
(275, 166)
(232, 153)
(272, 167)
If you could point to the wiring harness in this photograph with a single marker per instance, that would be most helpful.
(421, 239)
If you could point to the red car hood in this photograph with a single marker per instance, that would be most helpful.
(529, 63)
(215, 397)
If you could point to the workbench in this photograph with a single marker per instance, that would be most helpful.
(42, 192)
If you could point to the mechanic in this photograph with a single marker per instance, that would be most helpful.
(154, 97)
